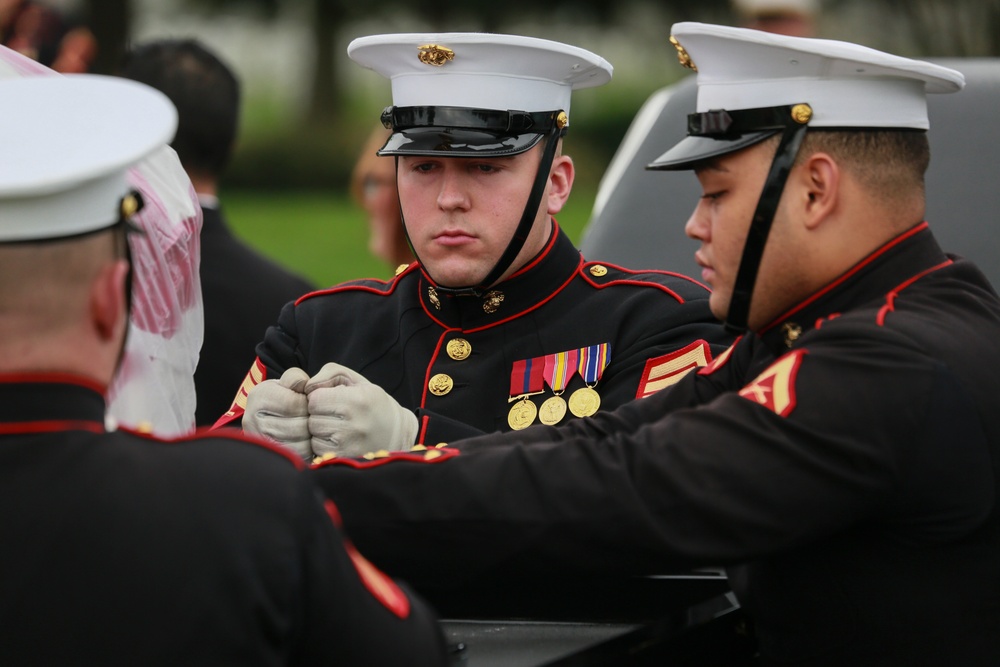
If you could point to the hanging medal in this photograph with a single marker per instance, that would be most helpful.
(559, 369)
(525, 380)
(592, 362)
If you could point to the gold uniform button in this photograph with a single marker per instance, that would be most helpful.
(459, 349)
(401, 268)
(441, 384)
(598, 270)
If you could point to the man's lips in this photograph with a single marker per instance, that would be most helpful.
(454, 238)
(706, 269)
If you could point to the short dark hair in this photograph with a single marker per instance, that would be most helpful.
(887, 161)
(205, 92)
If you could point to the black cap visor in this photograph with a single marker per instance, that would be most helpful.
(689, 151)
(457, 142)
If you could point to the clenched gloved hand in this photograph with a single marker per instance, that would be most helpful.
(350, 416)
(279, 410)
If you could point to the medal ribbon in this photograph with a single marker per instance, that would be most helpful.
(593, 360)
(526, 377)
(559, 369)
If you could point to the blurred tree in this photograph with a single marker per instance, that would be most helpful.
(325, 17)
(328, 15)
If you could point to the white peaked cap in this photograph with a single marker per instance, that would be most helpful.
(487, 71)
(66, 143)
(846, 85)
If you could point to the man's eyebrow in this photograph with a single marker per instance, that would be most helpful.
(710, 165)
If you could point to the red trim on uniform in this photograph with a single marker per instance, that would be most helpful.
(857, 267)
(823, 320)
(553, 236)
(353, 287)
(51, 426)
(641, 283)
(228, 433)
(379, 584)
(522, 313)
(533, 308)
(720, 360)
(890, 298)
(238, 407)
(541, 256)
(331, 509)
(426, 456)
(41, 377)
(430, 364)
(424, 422)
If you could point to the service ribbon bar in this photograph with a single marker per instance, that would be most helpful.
(593, 360)
(527, 377)
(560, 368)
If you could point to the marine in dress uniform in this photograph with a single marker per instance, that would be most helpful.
(840, 459)
(121, 548)
(556, 339)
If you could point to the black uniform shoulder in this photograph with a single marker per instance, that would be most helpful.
(362, 287)
(222, 449)
(603, 275)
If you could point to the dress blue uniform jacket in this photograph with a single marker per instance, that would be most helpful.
(122, 549)
(396, 334)
(843, 463)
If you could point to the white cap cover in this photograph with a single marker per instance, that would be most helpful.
(473, 73)
(485, 71)
(65, 145)
(844, 84)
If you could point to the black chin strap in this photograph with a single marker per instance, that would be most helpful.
(513, 248)
(788, 148)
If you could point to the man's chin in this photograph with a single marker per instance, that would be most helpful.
(719, 306)
(454, 280)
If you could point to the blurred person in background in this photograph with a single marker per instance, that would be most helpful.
(127, 549)
(796, 18)
(46, 35)
(242, 290)
(373, 187)
(501, 320)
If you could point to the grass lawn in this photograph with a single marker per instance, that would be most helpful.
(323, 235)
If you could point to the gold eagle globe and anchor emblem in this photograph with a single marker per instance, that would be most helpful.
(435, 54)
(492, 301)
(682, 55)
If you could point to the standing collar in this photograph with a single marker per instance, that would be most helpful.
(536, 282)
(904, 256)
(50, 397)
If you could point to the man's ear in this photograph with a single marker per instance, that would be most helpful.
(820, 178)
(560, 182)
(108, 301)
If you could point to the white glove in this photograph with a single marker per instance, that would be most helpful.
(350, 416)
(278, 410)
